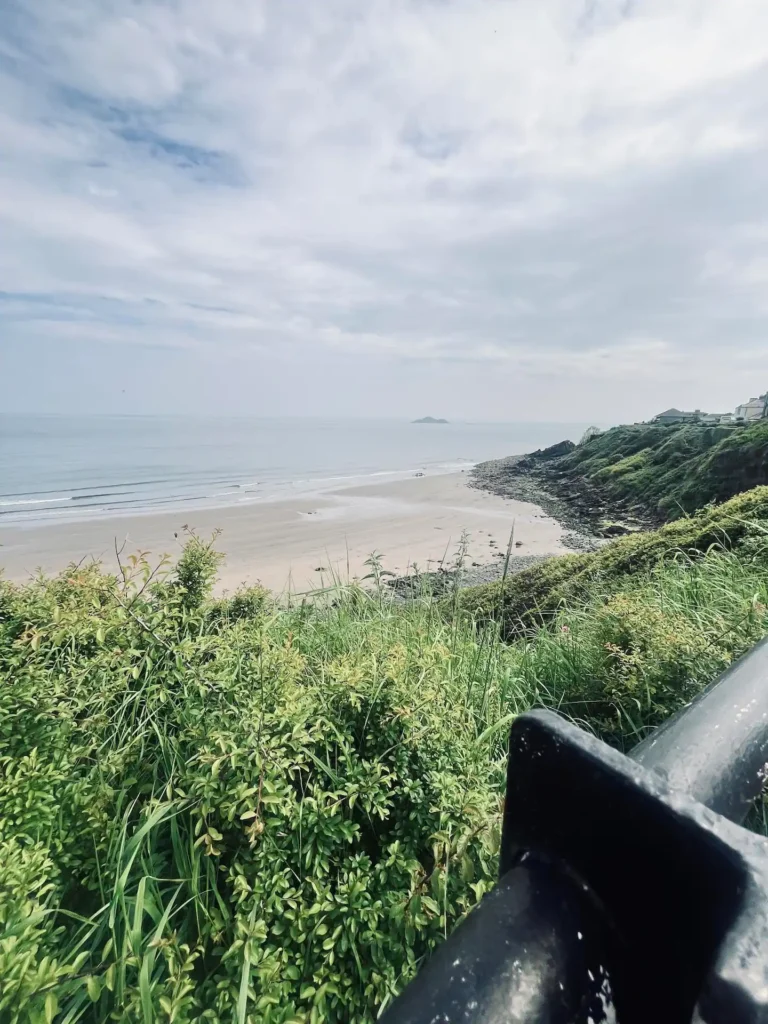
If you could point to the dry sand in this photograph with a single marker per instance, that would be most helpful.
(284, 543)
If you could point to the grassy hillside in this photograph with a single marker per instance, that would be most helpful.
(648, 469)
(224, 811)
(674, 469)
(533, 596)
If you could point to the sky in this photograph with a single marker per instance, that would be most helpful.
(489, 209)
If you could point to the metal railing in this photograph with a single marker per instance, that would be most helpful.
(628, 889)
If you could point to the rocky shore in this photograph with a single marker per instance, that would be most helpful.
(513, 478)
(518, 477)
(589, 518)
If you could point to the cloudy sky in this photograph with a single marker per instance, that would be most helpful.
(497, 209)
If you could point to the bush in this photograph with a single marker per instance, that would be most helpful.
(228, 811)
(258, 816)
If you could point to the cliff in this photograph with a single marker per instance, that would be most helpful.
(644, 475)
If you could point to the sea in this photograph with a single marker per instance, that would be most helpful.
(58, 468)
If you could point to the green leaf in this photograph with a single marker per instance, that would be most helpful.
(502, 725)
(467, 868)
(430, 904)
(145, 991)
(51, 1007)
(138, 916)
(245, 976)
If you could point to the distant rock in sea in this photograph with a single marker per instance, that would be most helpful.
(429, 419)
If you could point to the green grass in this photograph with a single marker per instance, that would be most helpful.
(532, 597)
(669, 470)
(631, 465)
(230, 811)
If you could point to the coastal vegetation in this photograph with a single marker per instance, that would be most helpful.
(534, 596)
(673, 470)
(647, 473)
(231, 810)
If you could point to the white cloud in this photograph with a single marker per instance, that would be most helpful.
(556, 185)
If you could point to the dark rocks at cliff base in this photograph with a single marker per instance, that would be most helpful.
(554, 451)
(538, 479)
(616, 530)
(581, 542)
(514, 478)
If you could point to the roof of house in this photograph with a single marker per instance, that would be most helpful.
(673, 412)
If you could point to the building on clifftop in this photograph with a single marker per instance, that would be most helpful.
(753, 410)
(676, 416)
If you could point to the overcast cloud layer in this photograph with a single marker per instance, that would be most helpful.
(541, 209)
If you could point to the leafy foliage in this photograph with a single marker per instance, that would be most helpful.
(589, 433)
(262, 815)
(231, 811)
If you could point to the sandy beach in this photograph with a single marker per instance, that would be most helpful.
(299, 543)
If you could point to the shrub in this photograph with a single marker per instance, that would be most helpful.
(196, 570)
(230, 811)
(259, 818)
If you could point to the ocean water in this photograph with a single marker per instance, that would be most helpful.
(54, 468)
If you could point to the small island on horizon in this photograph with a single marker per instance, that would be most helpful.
(429, 419)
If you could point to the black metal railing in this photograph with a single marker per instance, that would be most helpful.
(628, 889)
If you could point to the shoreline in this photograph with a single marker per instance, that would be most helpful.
(69, 509)
(302, 543)
(500, 477)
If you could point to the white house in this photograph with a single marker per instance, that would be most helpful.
(754, 409)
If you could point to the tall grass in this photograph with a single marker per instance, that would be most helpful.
(234, 811)
(537, 595)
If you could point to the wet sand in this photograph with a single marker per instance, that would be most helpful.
(299, 543)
